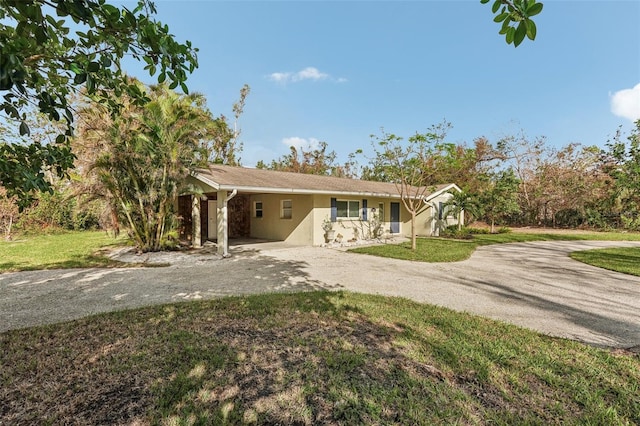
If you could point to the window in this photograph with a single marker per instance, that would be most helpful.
(286, 209)
(348, 209)
(257, 209)
(381, 212)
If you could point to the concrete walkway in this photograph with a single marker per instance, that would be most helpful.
(535, 285)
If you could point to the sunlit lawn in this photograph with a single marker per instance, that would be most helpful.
(308, 358)
(60, 250)
(450, 250)
(623, 259)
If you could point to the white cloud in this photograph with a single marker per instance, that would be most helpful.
(309, 73)
(626, 103)
(280, 77)
(297, 142)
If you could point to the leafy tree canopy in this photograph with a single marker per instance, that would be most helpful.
(313, 160)
(51, 48)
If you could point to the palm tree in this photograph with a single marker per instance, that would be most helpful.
(140, 158)
(463, 202)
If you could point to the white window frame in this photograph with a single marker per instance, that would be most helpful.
(256, 209)
(286, 212)
(348, 217)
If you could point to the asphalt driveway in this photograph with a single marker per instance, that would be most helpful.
(535, 285)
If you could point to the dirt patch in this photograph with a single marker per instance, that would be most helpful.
(192, 256)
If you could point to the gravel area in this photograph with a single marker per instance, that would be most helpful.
(535, 285)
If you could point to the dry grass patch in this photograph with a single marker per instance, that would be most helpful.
(309, 358)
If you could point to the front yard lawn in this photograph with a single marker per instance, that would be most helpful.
(622, 259)
(56, 251)
(450, 250)
(308, 358)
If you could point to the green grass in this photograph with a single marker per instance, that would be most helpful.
(308, 358)
(624, 259)
(449, 250)
(56, 251)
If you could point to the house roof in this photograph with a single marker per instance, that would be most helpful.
(245, 179)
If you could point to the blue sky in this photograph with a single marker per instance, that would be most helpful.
(338, 71)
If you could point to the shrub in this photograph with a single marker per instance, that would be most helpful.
(459, 234)
(475, 231)
(60, 211)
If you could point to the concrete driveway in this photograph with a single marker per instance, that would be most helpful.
(535, 285)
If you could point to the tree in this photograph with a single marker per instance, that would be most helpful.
(499, 200)
(515, 18)
(622, 164)
(463, 202)
(309, 160)
(8, 214)
(223, 147)
(404, 164)
(312, 160)
(569, 181)
(523, 156)
(42, 62)
(140, 159)
(457, 163)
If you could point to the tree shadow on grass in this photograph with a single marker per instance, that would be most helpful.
(305, 358)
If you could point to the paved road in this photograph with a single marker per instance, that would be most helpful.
(535, 285)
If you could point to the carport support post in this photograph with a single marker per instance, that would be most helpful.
(222, 220)
(195, 221)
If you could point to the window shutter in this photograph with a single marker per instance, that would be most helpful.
(334, 210)
(364, 209)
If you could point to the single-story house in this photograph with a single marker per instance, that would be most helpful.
(239, 202)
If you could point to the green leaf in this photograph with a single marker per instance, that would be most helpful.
(484, 1)
(521, 32)
(80, 78)
(531, 29)
(496, 6)
(41, 35)
(184, 88)
(93, 67)
(91, 85)
(534, 9)
(510, 32)
(501, 17)
(106, 61)
(162, 77)
(24, 129)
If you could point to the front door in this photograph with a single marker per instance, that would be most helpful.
(395, 218)
(212, 219)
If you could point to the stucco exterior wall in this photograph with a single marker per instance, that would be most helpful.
(355, 228)
(438, 222)
(297, 230)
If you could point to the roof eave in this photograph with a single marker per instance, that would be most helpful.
(268, 190)
(442, 191)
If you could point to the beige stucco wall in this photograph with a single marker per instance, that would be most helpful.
(435, 223)
(297, 230)
(350, 228)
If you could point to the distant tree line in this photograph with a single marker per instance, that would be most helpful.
(516, 181)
